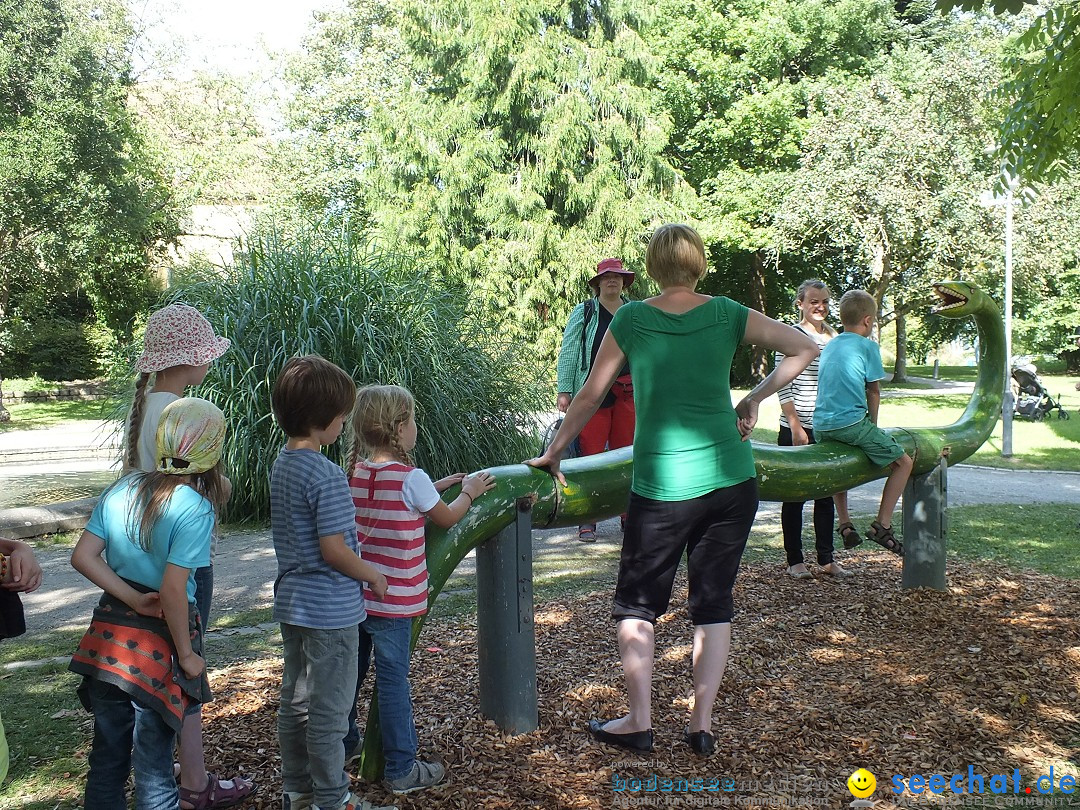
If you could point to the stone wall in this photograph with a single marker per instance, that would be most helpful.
(62, 392)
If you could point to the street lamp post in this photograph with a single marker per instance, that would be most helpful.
(990, 200)
(1007, 401)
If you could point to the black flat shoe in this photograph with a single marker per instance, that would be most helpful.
(634, 740)
(702, 742)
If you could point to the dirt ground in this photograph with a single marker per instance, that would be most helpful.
(825, 677)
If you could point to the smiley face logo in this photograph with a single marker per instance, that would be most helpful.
(861, 783)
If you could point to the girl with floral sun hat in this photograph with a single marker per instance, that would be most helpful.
(141, 659)
(178, 347)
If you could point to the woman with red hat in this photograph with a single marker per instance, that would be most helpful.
(612, 426)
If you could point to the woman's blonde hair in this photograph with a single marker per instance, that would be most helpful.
(856, 305)
(379, 412)
(676, 256)
(814, 284)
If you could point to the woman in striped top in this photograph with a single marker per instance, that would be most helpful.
(797, 400)
(393, 498)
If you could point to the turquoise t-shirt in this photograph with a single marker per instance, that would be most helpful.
(848, 362)
(181, 536)
(686, 443)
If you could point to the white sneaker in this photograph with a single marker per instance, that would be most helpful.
(354, 802)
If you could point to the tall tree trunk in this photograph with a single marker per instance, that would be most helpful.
(900, 367)
(759, 356)
(882, 273)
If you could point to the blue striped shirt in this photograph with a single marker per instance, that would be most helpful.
(309, 499)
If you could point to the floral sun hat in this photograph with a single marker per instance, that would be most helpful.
(178, 335)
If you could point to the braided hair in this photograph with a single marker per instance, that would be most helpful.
(131, 449)
(380, 411)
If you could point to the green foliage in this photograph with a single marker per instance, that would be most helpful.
(1039, 132)
(382, 316)
(83, 204)
(891, 172)
(739, 79)
(514, 143)
(54, 348)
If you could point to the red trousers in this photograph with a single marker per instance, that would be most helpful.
(610, 428)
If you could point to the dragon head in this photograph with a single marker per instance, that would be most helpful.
(958, 299)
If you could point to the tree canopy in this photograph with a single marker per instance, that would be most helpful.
(522, 145)
(1040, 131)
(84, 203)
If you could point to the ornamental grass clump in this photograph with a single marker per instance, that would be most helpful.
(385, 318)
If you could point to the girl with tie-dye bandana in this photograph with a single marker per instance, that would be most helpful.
(142, 655)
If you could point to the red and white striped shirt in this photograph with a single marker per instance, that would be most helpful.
(391, 534)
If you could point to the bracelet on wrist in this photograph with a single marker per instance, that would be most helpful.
(467, 495)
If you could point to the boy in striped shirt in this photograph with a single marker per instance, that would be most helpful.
(318, 594)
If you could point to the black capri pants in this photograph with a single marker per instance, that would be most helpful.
(712, 529)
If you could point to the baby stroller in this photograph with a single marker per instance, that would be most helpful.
(1033, 401)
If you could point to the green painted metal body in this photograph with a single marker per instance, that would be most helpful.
(598, 486)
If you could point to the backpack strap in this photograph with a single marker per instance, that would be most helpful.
(590, 310)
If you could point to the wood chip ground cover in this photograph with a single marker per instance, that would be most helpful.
(824, 677)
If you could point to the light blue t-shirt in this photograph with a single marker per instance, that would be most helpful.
(848, 362)
(309, 499)
(181, 535)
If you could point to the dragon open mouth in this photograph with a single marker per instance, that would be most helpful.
(948, 298)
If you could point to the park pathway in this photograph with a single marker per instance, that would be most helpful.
(245, 567)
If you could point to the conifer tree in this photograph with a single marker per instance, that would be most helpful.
(523, 143)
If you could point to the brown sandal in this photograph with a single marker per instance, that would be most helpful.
(214, 796)
(849, 534)
(885, 538)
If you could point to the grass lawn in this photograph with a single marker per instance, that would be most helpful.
(1053, 444)
(33, 415)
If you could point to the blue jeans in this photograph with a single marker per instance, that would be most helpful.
(316, 685)
(363, 663)
(125, 733)
(390, 642)
(204, 592)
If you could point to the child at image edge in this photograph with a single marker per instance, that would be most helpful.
(142, 656)
(849, 393)
(392, 498)
(318, 594)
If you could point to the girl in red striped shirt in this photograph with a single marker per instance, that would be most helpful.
(393, 499)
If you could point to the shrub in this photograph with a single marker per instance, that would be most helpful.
(52, 348)
(383, 317)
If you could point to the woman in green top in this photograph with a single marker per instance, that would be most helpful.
(695, 485)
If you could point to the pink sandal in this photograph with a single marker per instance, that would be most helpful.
(214, 796)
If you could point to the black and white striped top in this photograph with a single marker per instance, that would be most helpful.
(803, 389)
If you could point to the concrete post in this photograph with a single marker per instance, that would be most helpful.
(925, 500)
(506, 637)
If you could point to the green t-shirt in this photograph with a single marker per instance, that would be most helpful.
(686, 442)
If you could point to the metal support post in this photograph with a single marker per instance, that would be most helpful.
(505, 632)
(925, 500)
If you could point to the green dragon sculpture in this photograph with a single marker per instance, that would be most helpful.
(598, 486)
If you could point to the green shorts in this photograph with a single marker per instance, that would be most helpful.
(882, 448)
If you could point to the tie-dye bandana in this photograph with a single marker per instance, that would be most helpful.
(190, 436)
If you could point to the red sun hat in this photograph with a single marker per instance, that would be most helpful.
(178, 335)
(612, 266)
